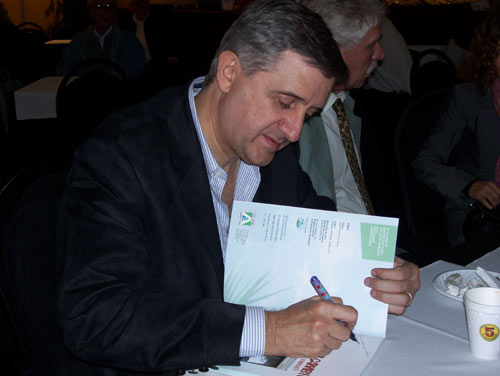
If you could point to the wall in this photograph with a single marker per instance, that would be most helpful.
(41, 12)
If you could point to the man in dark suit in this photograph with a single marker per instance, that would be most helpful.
(143, 227)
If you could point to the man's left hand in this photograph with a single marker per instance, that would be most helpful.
(395, 286)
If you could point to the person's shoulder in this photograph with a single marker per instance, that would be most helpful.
(147, 119)
(127, 34)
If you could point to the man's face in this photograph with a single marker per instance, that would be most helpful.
(261, 114)
(103, 12)
(363, 58)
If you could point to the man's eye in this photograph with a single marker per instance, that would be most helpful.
(285, 106)
(308, 117)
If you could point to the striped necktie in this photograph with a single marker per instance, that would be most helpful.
(345, 133)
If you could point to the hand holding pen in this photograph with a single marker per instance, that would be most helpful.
(321, 290)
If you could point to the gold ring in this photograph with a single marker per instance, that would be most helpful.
(411, 298)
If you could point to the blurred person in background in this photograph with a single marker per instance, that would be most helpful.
(462, 155)
(106, 40)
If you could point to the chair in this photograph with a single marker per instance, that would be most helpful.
(28, 215)
(431, 69)
(423, 233)
(32, 60)
(89, 92)
(8, 84)
(34, 32)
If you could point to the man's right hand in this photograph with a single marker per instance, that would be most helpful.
(309, 328)
(486, 192)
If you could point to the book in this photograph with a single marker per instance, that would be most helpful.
(272, 253)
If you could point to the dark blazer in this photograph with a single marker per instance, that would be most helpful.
(464, 146)
(139, 258)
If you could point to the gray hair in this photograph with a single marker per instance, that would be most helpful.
(267, 28)
(348, 20)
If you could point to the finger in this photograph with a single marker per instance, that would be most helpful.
(486, 202)
(340, 333)
(388, 285)
(398, 261)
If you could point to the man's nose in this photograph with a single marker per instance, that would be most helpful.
(378, 53)
(292, 126)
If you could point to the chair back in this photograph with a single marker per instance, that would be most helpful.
(89, 92)
(28, 216)
(431, 69)
(424, 209)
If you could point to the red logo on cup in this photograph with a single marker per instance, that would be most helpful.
(489, 332)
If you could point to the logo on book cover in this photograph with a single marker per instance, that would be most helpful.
(300, 223)
(246, 218)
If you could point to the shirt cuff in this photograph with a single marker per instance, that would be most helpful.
(253, 338)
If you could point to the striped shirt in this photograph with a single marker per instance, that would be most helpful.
(247, 182)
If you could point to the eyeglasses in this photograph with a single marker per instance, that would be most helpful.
(102, 6)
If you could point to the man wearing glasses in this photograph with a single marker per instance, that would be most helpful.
(104, 39)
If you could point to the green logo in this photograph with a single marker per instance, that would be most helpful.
(246, 218)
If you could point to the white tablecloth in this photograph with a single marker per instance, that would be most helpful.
(431, 338)
(38, 99)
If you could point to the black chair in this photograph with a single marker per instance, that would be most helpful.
(425, 75)
(28, 215)
(33, 31)
(422, 233)
(33, 63)
(89, 92)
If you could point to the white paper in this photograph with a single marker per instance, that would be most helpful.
(274, 250)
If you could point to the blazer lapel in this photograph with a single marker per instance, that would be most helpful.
(193, 193)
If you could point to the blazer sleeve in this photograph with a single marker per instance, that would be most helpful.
(115, 306)
(432, 165)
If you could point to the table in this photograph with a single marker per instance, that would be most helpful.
(38, 99)
(431, 337)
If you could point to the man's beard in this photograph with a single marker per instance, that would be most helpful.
(372, 67)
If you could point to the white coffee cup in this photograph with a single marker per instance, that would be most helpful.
(482, 309)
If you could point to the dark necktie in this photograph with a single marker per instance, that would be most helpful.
(345, 133)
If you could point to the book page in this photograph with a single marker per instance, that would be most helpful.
(274, 250)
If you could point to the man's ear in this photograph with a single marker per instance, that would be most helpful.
(228, 66)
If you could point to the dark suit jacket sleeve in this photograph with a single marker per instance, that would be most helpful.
(137, 289)
(432, 164)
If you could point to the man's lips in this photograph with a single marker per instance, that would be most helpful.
(273, 143)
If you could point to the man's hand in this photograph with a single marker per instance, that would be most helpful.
(309, 328)
(486, 192)
(395, 285)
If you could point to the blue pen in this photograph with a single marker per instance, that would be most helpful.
(320, 289)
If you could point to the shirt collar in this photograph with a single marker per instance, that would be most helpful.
(105, 34)
(210, 162)
(332, 98)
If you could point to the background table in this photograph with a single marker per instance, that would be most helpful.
(38, 99)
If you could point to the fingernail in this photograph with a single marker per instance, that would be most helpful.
(368, 281)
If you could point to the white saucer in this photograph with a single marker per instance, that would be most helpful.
(467, 275)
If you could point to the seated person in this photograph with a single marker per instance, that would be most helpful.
(334, 173)
(135, 19)
(104, 39)
(459, 159)
(143, 225)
